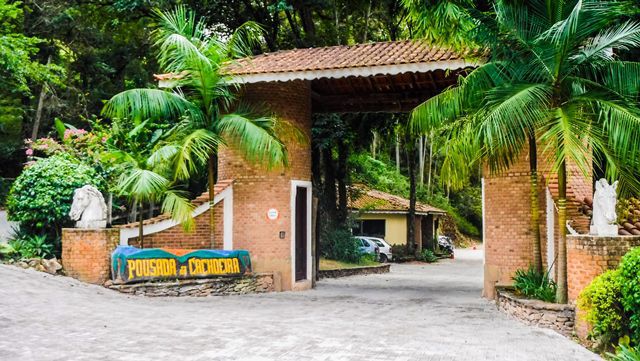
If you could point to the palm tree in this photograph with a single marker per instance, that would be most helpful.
(199, 98)
(556, 82)
(144, 171)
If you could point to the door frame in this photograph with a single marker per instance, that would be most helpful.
(294, 189)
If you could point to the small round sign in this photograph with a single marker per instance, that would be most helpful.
(272, 214)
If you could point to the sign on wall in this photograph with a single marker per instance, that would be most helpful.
(131, 264)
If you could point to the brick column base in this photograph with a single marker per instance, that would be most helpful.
(86, 253)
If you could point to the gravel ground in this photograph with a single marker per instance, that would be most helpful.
(416, 312)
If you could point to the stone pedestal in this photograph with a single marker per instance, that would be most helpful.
(86, 253)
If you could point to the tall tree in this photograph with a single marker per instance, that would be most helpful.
(555, 78)
(199, 98)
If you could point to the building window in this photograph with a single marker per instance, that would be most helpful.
(372, 228)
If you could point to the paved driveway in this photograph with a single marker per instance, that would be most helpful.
(430, 312)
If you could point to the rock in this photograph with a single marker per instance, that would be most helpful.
(51, 266)
(108, 283)
(40, 267)
(33, 262)
(23, 264)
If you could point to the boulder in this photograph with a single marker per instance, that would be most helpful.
(51, 266)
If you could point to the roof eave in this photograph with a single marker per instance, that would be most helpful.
(354, 71)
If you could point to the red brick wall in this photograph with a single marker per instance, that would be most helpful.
(178, 237)
(256, 190)
(508, 234)
(589, 256)
(86, 253)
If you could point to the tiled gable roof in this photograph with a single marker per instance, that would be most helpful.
(341, 57)
(364, 199)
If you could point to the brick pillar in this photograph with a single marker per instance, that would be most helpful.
(257, 190)
(86, 253)
(507, 230)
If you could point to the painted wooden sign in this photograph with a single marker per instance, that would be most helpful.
(131, 264)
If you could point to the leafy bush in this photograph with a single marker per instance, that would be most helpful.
(602, 303)
(40, 198)
(6, 250)
(630, 289)
(339, 244)
(31, 247)
(427, 256)
(626, 354)
(534, 284)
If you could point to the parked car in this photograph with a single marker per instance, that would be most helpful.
(385, 249)
(368, 246)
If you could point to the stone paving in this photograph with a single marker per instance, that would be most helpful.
(416, 312)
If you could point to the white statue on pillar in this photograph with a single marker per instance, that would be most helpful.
(603, 221)
(88, 208)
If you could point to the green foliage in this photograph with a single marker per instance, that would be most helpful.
(630, 287)
(6, 250)
(440, 201)
(341, 245)
(626, 354)
(377, 174)
(32, 246)
(427, 255)
(17, 65)
(533, 284)
(602, 303)
(11, 116)
(40, 198)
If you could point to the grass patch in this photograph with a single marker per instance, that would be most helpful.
(330, 264)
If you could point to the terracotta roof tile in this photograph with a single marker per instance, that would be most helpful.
(365, 199)
(343, 56)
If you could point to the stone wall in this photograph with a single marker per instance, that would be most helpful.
(589, 256)
(221, 286)
(558, 317)
(86, 253)
(344, 272)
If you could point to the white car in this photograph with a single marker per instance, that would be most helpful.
(385, 248)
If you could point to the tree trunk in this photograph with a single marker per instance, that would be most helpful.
(141, 226)
(211, 180)
(421, 156)
(561, 294)
(397, 153)
(343, 155)
(411, 218)
(374, 144)
(366, 22)
(535, 205)
(36, 121)
(430, 162)
(329, 189)
(294, 29)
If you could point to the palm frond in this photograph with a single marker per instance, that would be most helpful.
(194, 149)
(145, 104)
(142, 184)
(177, 204)
(254, 138)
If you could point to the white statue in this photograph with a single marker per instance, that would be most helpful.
(603, 221)
(88, 208)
